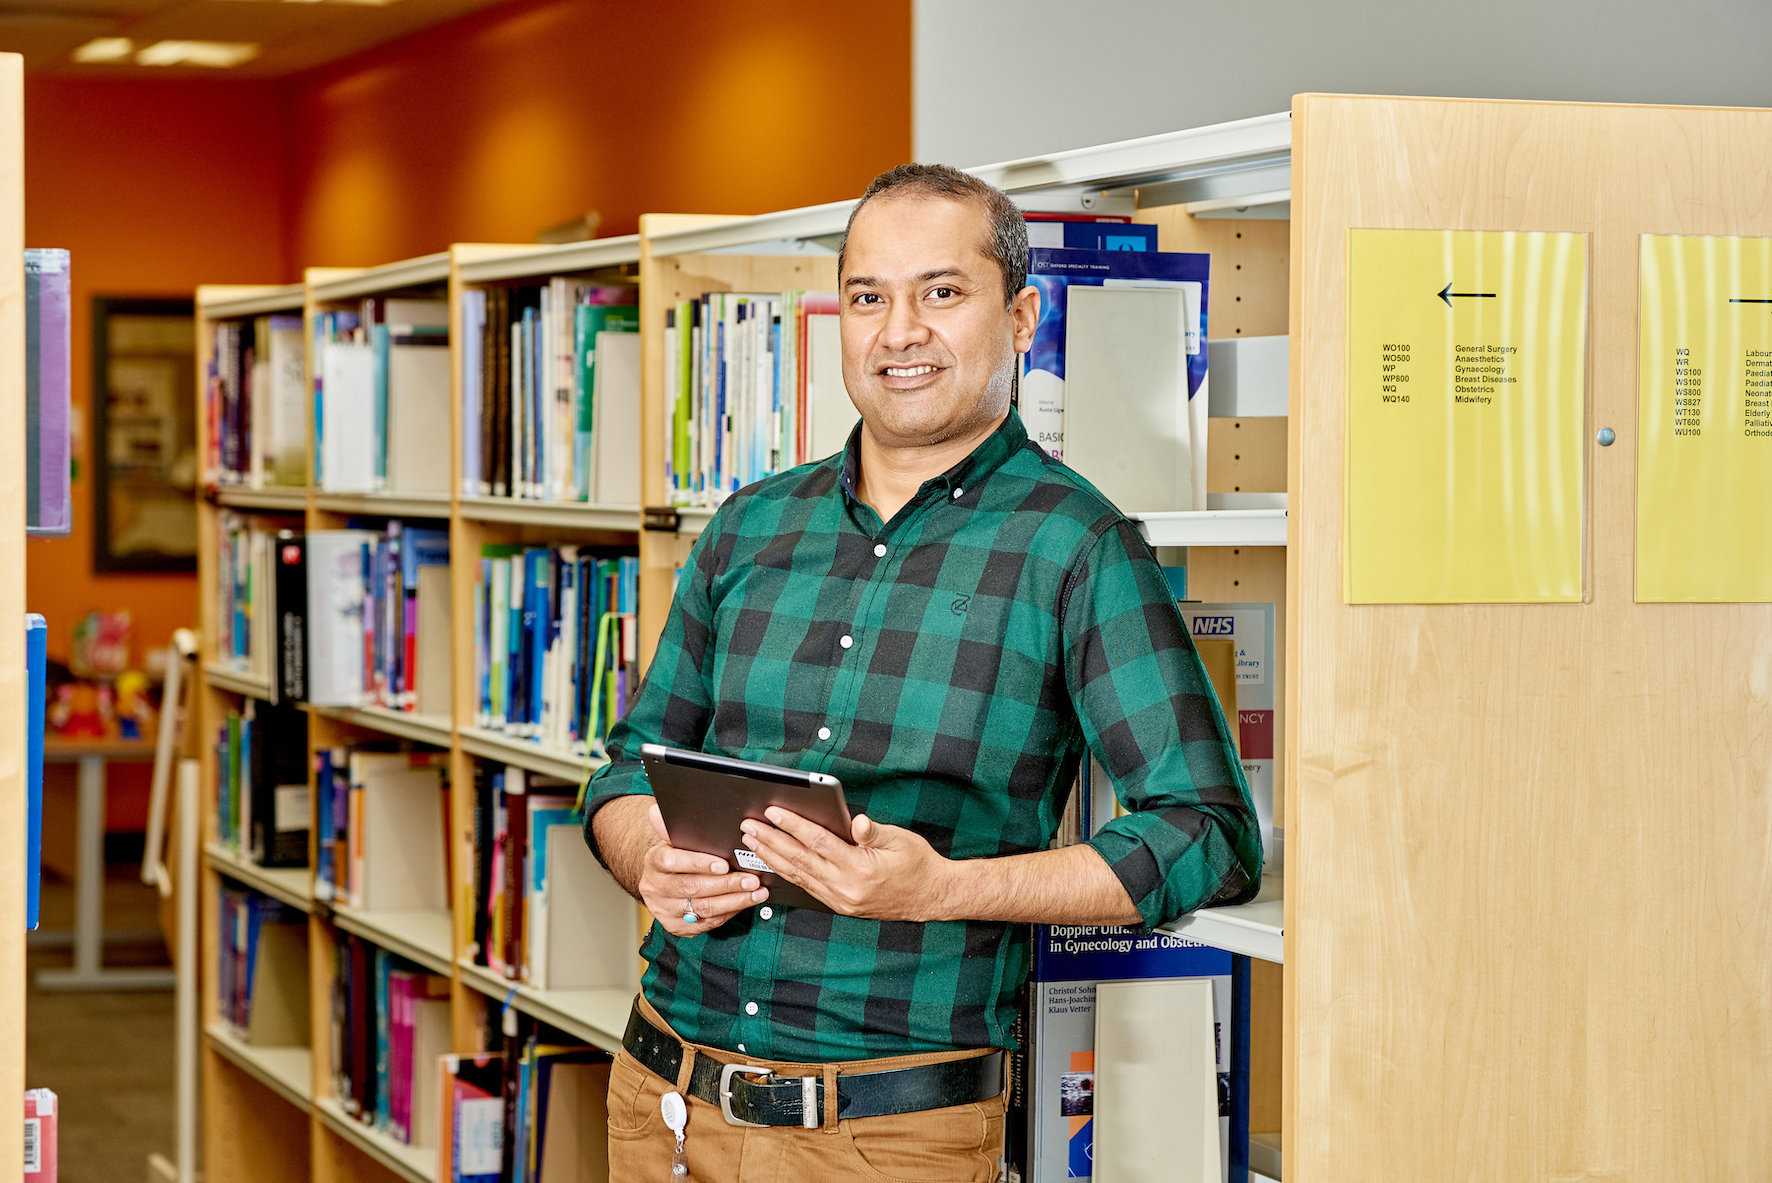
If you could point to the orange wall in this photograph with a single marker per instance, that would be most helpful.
(530, 113)
(156, 187)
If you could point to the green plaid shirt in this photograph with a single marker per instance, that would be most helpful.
(949, 667)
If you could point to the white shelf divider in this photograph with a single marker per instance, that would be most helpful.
(292, 885)
(422, 272)
(427, 729)
(1214, 527)
(226, 306)
(569, 515)
(1264, 1155)
(423, 938)
(599, 1017)
(284, 500)
(494, 745)
(415, 1164)
(1255, 929)
(540, 262)
(286, 1071)
(233, 681)
(385, 505)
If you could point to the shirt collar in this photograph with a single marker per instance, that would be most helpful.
(991, 454)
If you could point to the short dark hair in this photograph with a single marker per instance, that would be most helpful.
(1007, 244)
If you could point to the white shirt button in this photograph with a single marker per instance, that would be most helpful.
(741, 1047)
(750, 1008)
(824, 733)
(846, 640)
(766, 912)
(879, 550)
(957, 493)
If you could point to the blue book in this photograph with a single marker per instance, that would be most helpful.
(323, 803)
(1054, 272)
(1092, 236)
(383, 1021)
(36, 664)
(473, 313)
(538, 620)
(379, 341)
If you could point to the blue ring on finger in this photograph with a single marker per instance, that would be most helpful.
(689, 916)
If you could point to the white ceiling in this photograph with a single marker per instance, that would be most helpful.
(292, 36)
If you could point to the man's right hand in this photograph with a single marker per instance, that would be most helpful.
(670, 878)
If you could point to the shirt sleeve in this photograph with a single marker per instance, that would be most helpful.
(1151, 720)
(675, 702)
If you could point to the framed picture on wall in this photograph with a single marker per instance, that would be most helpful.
(144, 447)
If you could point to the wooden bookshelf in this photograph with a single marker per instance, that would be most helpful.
(12, 586)
(293, 885)
(286, 1071)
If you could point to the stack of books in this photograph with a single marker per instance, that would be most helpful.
(381, 398)
(262, 784)
(753, 386)
(390, 1032)
(534, 1111)
(255, 404)
(376, 616)
(556, 643)
(383, 846)
(262, 971)
(551, 393)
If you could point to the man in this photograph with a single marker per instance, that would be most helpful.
(944, 618)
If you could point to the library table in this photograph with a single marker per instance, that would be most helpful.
(88, 972)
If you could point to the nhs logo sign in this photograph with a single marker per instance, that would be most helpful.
(1215, 626)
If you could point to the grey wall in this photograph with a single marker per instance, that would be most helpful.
(1003, 79)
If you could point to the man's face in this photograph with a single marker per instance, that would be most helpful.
(928, 345)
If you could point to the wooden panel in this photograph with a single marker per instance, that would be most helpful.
(12, 591)
(1527, 844)
(1250, 268)
(250, 1134)
(1246, 455)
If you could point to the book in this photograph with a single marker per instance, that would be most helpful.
(417, 383)
(1055, 273)
(335, 562)
(1125, 387)
(276, 833)
(753, 386)
(40, 1136)
(1091, 233)
(615, 436)
(1056, 1130)
(290, 604)
(1249, 630)
(36, 673)
(48, 391)
(397, 833)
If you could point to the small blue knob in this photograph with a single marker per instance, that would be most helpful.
(1606, 437)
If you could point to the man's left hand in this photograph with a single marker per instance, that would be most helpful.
(890, 873)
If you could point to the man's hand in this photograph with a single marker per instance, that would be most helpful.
(671, 879)
(890, 873)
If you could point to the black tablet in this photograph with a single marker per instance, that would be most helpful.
(705, 798)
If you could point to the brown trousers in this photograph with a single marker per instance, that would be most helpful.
(959, 1144)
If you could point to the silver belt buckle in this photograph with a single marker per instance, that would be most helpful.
(726, 1071)
(810, 1117)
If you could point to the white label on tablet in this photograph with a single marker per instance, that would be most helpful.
(750, 860)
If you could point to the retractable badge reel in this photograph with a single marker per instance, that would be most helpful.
(676, 1119)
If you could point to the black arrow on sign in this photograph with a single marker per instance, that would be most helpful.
(1447, 294)
(1735, 300)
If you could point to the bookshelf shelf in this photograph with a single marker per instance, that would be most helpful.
(1214, 527)
(286, 1071)
(234, 682)
(384, 505)
(422, 272)
(1255, 929)
(421, 937)
(559, 515)
(416, 1164)
(1264, 1155)
(429, 729)
(291, 500)
(599, 1017)
(525, 754)
(293, 885)
(540, 262)
(691, 522)
(226, 303)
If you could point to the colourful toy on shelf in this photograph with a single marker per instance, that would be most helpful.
(135, 710)
(101, 644)
(82, 710)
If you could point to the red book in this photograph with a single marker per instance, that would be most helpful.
(40, 1136)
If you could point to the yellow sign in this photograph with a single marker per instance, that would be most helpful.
(1467, 357)
(1704, 420)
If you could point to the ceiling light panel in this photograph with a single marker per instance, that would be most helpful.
(215, 54)
(105, 49)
